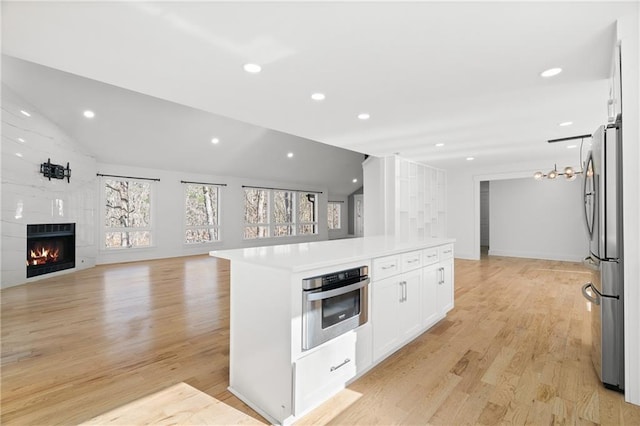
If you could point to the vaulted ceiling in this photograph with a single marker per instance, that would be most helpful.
(462, 74)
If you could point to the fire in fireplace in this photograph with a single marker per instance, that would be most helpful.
(50, 248)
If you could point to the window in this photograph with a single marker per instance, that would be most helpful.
(127, 213)
(256, 213)
(202, 213)
(333, 215)
(279, 213)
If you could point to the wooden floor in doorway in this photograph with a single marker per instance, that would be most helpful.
(515, 349)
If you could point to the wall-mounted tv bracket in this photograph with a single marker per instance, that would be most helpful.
(56, 171)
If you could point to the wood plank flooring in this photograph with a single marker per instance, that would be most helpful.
(515, 349)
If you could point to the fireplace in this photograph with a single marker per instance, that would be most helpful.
(51, 247)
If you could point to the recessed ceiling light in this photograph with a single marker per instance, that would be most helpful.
(20, 140)
(470, 158)
(550, 72)
(25, 113)
(439, 144)
(566, 123)
(215, 141)
(252, 68)
(290, 155)
(89, 114)
(572, 146)
(18, 154)
(364, 116)
(318, 96)
(355, 180)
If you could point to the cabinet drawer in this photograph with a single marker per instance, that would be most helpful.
(410, 261)
(384, 267)
(324, 372)
(430, 256)
(445, 252)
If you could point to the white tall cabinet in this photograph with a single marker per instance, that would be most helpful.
(403, 198)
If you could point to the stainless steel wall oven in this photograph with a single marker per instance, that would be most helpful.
(333, 304)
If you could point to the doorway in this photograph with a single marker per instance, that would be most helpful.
(484, 217)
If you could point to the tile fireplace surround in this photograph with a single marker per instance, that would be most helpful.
(30, 198)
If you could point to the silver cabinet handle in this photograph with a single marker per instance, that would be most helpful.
(432, 255)
(441, 280)
(413, 260)
(447, 251)
(384, 268)
(403, 288)
(346, 361)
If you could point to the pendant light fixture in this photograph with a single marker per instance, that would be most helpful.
(569, 172)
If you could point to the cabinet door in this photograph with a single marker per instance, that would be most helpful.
(409, 315)
(445, 287)
(386, 295)
(430, 307)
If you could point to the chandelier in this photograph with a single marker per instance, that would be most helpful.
(569, 172)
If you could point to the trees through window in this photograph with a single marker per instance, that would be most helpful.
(127, 213)
(279, 213)
(202, 213)
(333, 215)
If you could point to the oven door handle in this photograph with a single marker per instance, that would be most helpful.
(337, 291)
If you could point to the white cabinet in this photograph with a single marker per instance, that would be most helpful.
(444, 291)
(396, 291)
(409, 302)
(384, 315)
(395, 312)
(430, 282)
(404, 198)
(324, 372)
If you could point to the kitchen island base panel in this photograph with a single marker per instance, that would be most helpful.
(260, 338)
(285, 422)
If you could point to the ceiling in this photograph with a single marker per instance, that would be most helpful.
(462, 74)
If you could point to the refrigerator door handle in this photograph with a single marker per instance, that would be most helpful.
(595, 300)
(590, 263)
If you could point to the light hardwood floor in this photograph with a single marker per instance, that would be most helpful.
(515, 349)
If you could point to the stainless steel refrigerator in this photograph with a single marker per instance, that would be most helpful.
(602, 191)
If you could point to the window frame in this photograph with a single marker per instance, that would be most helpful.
(186, 227)
(266, 224)
(271, 225)
(334, 204)
(103, 215)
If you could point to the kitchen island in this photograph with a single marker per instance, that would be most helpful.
(411, 288)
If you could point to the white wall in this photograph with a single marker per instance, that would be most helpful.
(463, 198)
(168, 215)
(29, 198)
(539, 220)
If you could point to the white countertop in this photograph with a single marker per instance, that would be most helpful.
(305, 256)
